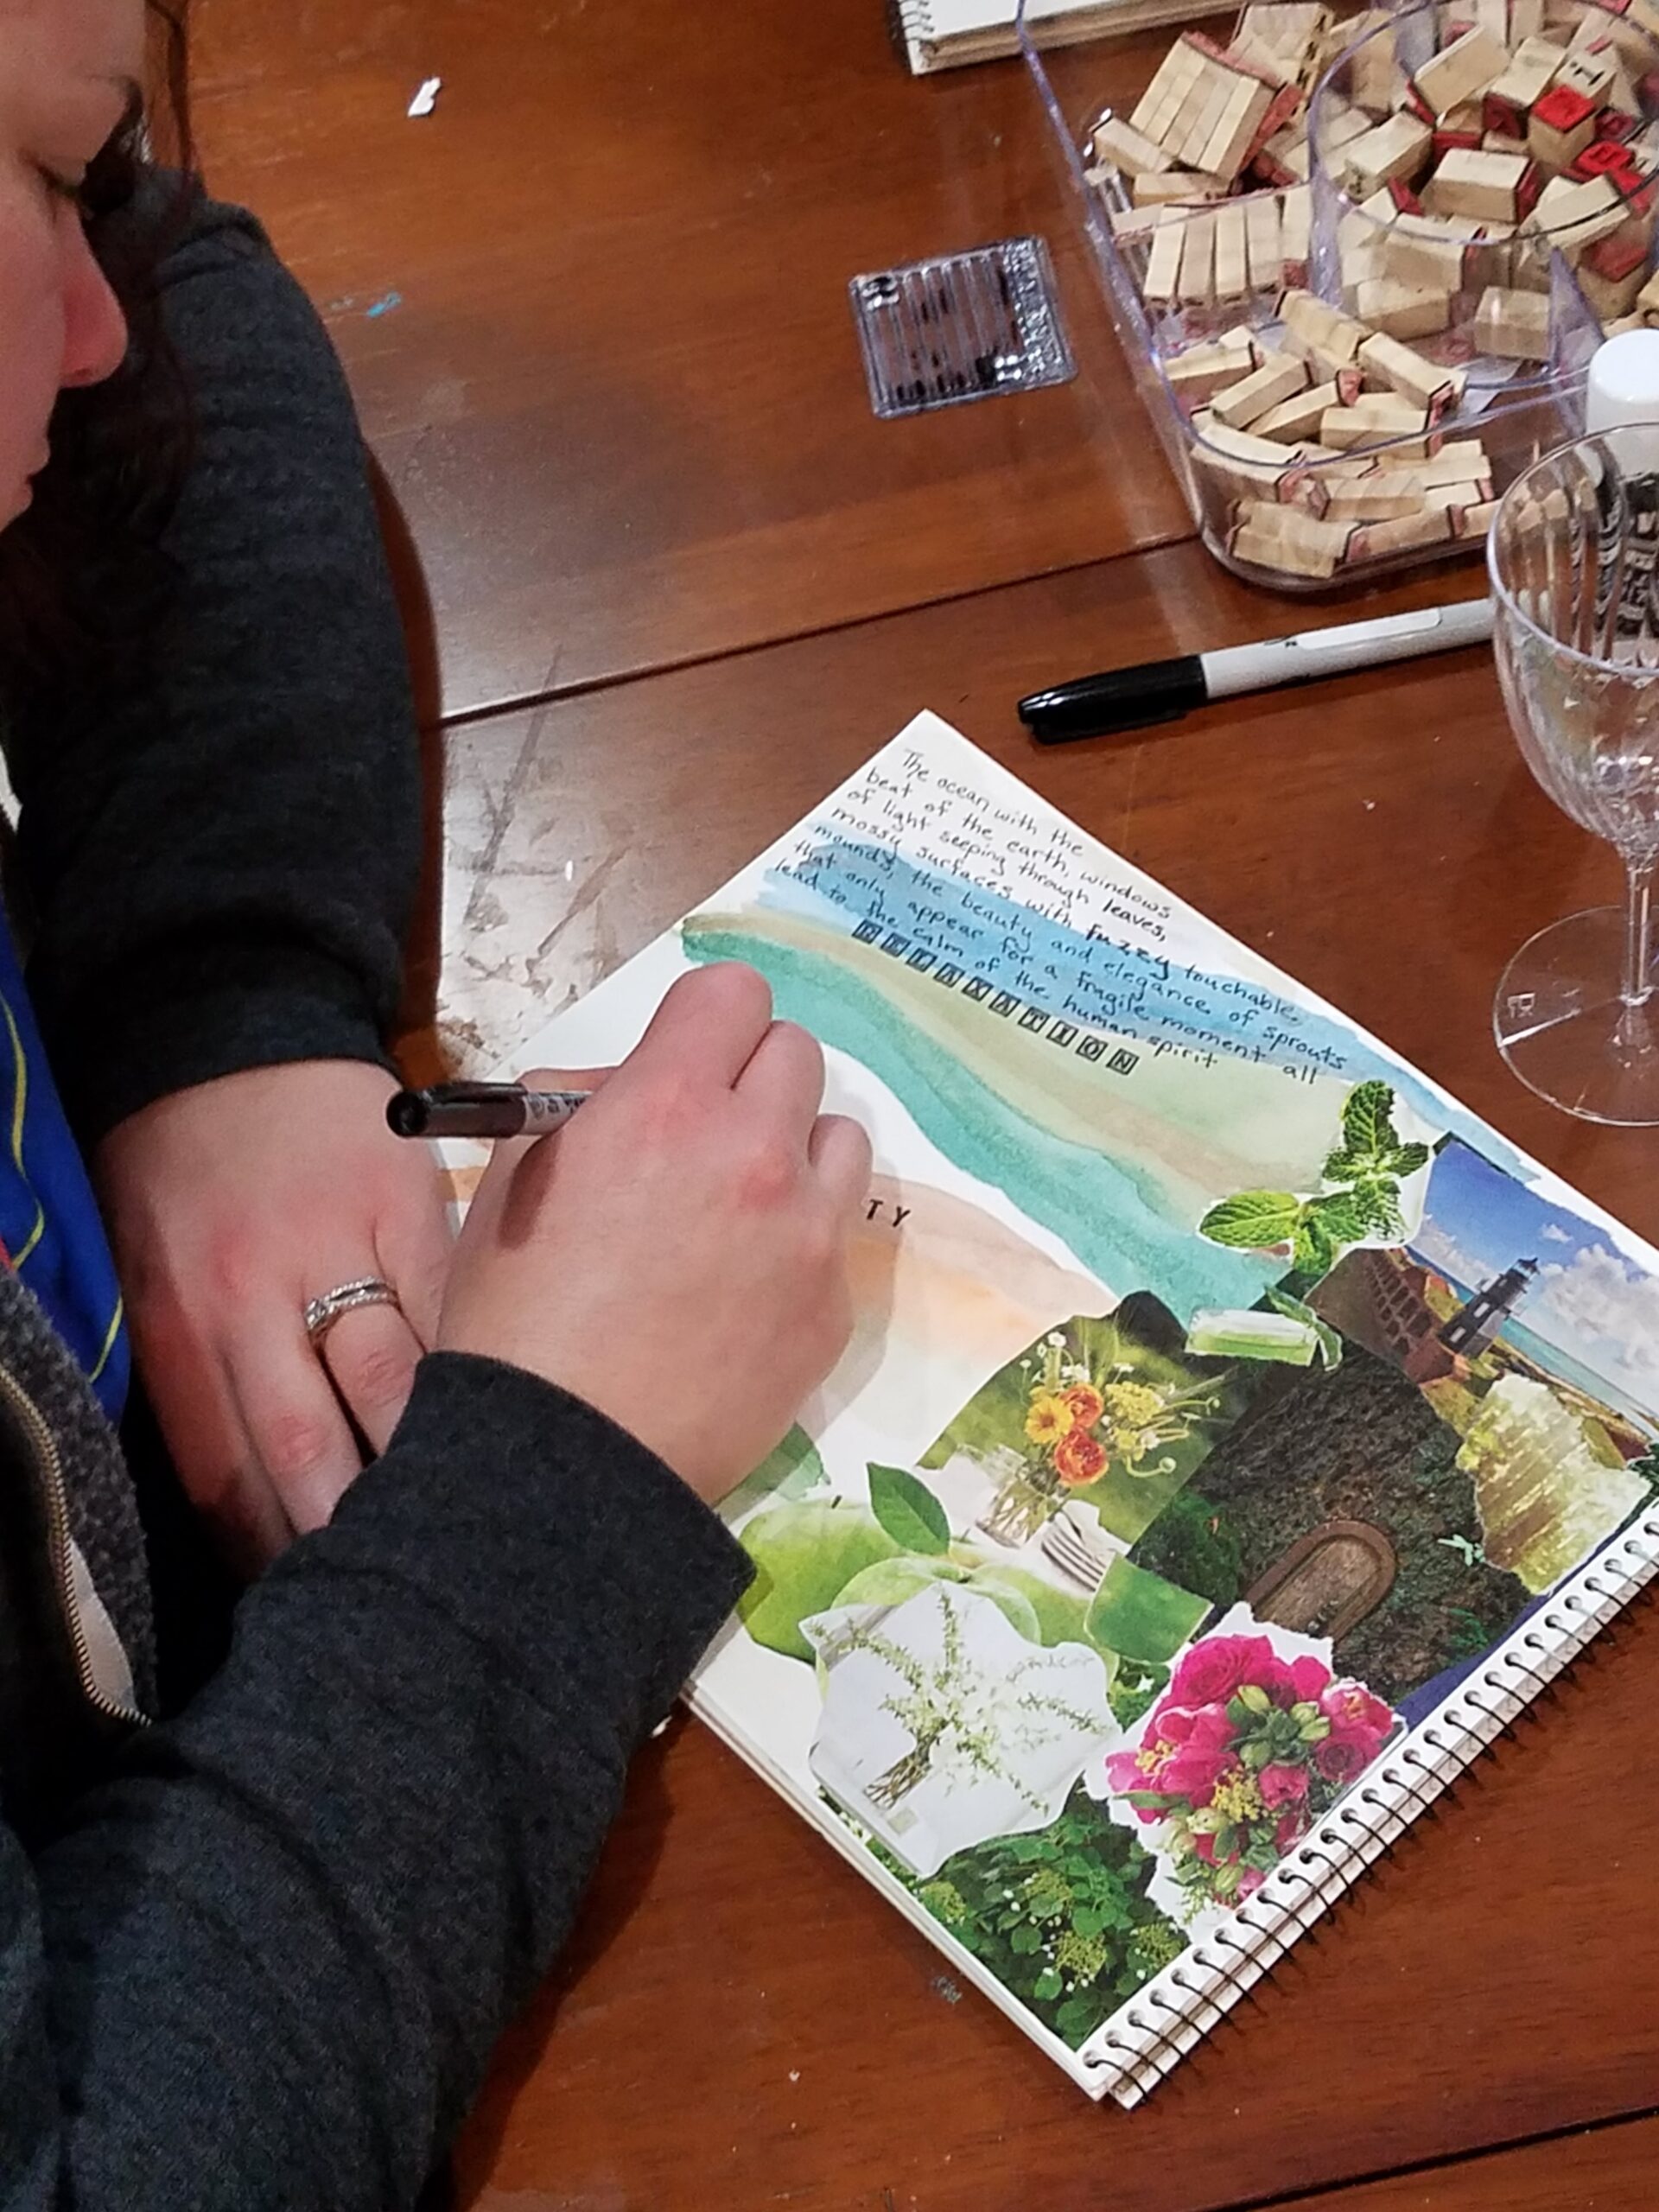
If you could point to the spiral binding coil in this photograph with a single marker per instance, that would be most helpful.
(911, 23)
(1131, 2053)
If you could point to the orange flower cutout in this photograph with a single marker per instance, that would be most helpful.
(1086, 1403)
(1079, 1458)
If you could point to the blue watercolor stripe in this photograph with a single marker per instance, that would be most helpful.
(1088, 1199)
(841, 883)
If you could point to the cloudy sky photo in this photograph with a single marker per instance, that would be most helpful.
(1588, 1300)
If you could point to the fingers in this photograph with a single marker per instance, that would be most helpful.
(250, 1526)
(371, 1356)
(303, 1440)
(564, 1079)
(215, 1456)
(840, 1153)
(413, 1246)
(785, 1077)
(707, 1026)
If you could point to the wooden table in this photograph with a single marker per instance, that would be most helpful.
(680, 583)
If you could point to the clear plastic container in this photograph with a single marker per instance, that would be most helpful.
(1305, 516)
(1563, 226)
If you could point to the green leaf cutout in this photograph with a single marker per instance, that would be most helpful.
(1376, 1202)
(1343, 1216)
(1253, 1219)
(1405, 1159)
(1293, 1309)
(1314, 1252)
(1367, 1120)
(789, 1470)
(908, 1510)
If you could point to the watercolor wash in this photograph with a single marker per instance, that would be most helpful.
(1222, 1393)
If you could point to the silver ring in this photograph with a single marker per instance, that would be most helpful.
(321, 1314)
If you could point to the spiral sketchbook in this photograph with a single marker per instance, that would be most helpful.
(945, 33)
(1237, 1432)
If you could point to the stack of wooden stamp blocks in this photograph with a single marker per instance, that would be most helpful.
(1528, 133)
(1325, 440)
(1327, 424)
(1216, 125)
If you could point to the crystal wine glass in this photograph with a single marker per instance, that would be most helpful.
(1571, 555)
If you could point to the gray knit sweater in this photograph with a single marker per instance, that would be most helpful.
(257, 1957)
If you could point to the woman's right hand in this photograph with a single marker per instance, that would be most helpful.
(676, 1253)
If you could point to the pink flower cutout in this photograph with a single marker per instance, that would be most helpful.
(1309, 1679)
(1183, 1754)
(1291, 1827)
(1344, 1759)
(1282, 1785)
(1213, 1669)
(1352, 1710)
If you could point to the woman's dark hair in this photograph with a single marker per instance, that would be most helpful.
(82, 573)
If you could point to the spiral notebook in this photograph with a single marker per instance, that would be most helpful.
(1237, 1433)
(945, 34)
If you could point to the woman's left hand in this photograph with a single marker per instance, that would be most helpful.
(230, 1206)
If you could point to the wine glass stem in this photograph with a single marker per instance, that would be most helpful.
(1638, 931)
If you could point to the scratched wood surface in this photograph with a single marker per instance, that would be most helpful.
(1610, 2169)
(741, 2021)
(594, 309)
(577, 830)
(769, 2028)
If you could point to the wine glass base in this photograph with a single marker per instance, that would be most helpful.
(1563, 1026)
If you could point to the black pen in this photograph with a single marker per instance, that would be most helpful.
(480, 1109)
(1124, 699)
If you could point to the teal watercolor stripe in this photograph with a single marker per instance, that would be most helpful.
(839, 883)
(1089, 1201)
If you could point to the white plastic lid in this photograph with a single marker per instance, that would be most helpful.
(1624, 383)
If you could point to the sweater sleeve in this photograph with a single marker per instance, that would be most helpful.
(264, 1965)
(223, 858)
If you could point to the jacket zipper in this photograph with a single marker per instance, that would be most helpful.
(49, 1468)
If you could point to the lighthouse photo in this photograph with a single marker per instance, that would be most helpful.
(1470, 1332)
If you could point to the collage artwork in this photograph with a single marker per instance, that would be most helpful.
(1221, 1392)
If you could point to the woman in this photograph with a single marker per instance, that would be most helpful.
(256, 1955)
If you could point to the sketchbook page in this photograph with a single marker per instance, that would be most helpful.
(1224, 1401)
(948, 33)
(951, 19)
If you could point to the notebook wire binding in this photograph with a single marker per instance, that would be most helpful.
(1173, 2013)
(911, 23)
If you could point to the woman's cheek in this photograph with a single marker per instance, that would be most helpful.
(31, 359)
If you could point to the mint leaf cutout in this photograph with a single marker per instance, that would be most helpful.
(1345, 1167)
(1367, 1124)
(1314, 1252)
(1405, 1160)
(1343, 1216)
(908, 1510)
(1381, 1202)
(1253, 1220)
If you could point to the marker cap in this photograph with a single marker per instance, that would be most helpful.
(1121, 699)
